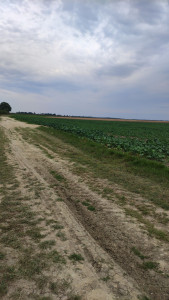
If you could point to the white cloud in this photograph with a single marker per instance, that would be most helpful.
(83, 47)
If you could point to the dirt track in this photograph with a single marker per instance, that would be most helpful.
(104, 237)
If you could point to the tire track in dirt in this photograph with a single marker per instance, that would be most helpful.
(114, 232)
(87, 279)
(109, 236)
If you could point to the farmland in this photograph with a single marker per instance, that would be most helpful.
(81, 219)
(150, 140)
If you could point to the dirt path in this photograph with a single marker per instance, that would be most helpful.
(91, 226)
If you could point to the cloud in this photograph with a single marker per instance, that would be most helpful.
(71, 49)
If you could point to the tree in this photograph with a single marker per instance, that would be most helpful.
(5, 108)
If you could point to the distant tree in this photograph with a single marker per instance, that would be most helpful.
(5, 108)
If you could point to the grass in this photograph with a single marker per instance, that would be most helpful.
(56, 257)
(85, 203)
(57, 226)
(6, 277)
(106, 278)
(98, 162)
(138, 253)
(35, 234)
(47, 244)
(59, 200)
(76, 257)
(20, 234)
(74, 297)
(89, 206)
(159, 234)
(31, 264)
(62, 236)
(149, 265)
(138, 175)
(2, 255)
(143, 298)
(57, 176)
(59, 286)
(100, 168)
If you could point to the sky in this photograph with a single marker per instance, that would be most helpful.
(101, 58)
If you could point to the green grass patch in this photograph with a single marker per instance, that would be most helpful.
(150, 265)
(56, 257)
(59, 200)
(85, 203)
(7, 275)
(138, 253)
(62, 236)
(91, 208)
(150, 178)
(2, 255)
(76, 257)
(57, 226)
(159, 234)
(47, 244)
(147, 178)
(31, 264)
(57, 176)
(59, 286)
(88, 205)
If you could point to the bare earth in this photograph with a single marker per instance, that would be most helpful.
(104, 238)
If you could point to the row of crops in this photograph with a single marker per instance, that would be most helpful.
(150, 140)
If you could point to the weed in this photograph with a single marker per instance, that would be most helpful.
(159, 234)
(30, 265)
(9, 274)
(106, 278)
(60, 286)
(85, 203)
(57, 176)
(76, 257)
(2, 255)
(107, 191)
(149, 265)
(3, 288)
(143, 297)
(59, 200)
(91, 208)
(56, 257)
(35, 234)
(122, 199)
(41, 282)
(57, 226)
(61, 235)
(48, 222)
(137, 252)
(11, 240)
(47, 244)
(74, 297)
(37, 297)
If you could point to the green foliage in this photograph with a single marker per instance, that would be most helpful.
(150, 265)
(138, 253)
(150, 140)
(5, 108)
(76, 257)
(3, 112)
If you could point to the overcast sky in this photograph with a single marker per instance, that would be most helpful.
(86, 57)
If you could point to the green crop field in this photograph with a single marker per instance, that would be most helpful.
(150, 140)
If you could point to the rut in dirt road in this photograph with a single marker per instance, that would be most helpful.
(94, 226)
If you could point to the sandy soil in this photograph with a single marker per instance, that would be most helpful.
(104, 238)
